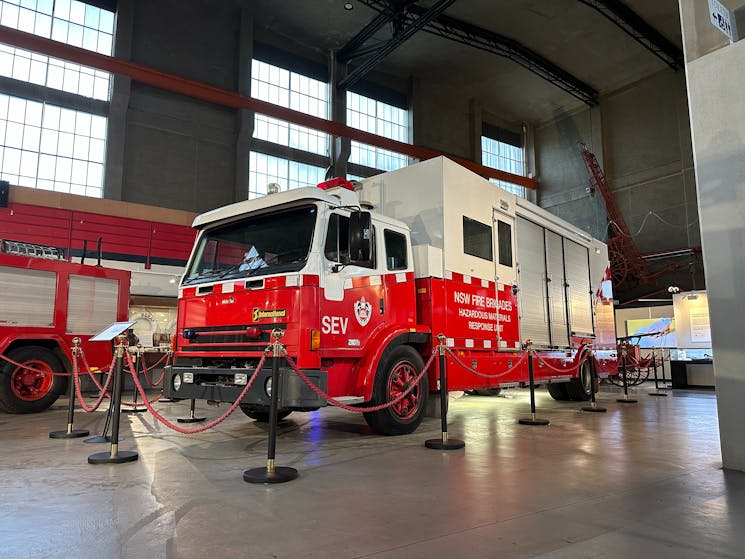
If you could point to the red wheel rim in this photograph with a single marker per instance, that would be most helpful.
(30, 385)
(401, 378)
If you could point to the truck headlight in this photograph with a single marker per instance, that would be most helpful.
(176, 382)
(241, 378)
(189, 378)
(268, 386)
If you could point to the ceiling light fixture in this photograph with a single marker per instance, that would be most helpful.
(348, 6)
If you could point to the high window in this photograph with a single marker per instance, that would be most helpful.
(503, 150)
(383, 119)
(266, 163)
(58, 146)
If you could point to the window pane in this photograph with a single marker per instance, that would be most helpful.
(477, 239)
(74, 23)
(70, 161)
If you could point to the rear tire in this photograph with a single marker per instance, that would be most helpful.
(25, 391)
(262, 415)
(580, 389)
(558, 391)
(398, 366)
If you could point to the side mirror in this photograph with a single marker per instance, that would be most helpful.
(360, 238)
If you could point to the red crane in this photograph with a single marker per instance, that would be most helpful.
(626, 261)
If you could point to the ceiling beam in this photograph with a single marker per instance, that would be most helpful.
(642, 32)
(406, 26)
(495, 43)
(235, 100)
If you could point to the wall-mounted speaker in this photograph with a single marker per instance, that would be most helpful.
(4, 193)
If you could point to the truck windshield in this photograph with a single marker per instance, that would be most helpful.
(257, 246)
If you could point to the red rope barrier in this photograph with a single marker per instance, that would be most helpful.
(102, 391)
(202, 428)
(38, 371)
(154, 366)
(562, 371)
(484, 375)
(343, 406)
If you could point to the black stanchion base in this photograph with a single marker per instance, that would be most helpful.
(596, 409)
(626, 401)
(533, 421)
(98, 439)
(280, 474)
(190, 419)
(106, 458)
(74, 434)
(657, 394)
(451, 444)
(134, 410)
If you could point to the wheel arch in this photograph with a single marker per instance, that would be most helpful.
(384, 343)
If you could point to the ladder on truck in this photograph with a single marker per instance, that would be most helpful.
(19, 248)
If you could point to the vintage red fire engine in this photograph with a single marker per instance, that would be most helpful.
(46, 302)
(362, 295)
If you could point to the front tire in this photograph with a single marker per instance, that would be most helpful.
(398, 367)
(262, 414)
(26, 391)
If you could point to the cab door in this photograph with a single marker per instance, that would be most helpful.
(508, 332)
(352, 296)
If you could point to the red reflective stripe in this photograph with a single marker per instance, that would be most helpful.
(309, 280)
(361, 282)
(275, 282)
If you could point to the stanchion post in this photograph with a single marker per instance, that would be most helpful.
(272, 473)
(71, 433)
(443, 443)
(662, 366)
(593, 407)
(115, 456)
(191, 418)
(139, 361)
(625, 399)
(532, 420)
(656, 381)
(103, 437)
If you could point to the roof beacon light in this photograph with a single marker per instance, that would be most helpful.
(338, 182)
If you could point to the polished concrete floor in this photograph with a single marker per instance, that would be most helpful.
(642, 481)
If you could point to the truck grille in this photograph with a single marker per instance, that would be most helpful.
(228, 338)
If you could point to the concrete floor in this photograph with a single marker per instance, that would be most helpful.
(641, 481)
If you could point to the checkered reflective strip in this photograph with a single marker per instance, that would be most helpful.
(370, 281)
(471, 343)
(292, 280)
(469, 280)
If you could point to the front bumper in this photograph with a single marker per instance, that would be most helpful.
(218, 384)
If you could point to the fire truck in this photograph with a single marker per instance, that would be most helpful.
(362, 295)
(46, 302)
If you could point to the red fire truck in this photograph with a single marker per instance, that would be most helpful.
(361, 296)
(46, 302)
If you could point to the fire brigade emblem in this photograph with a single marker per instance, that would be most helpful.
(362, 311)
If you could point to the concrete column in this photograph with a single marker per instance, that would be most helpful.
(113, 184)
(715, 71)
(245, 124)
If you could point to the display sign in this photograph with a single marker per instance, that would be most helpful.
(112, 331)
